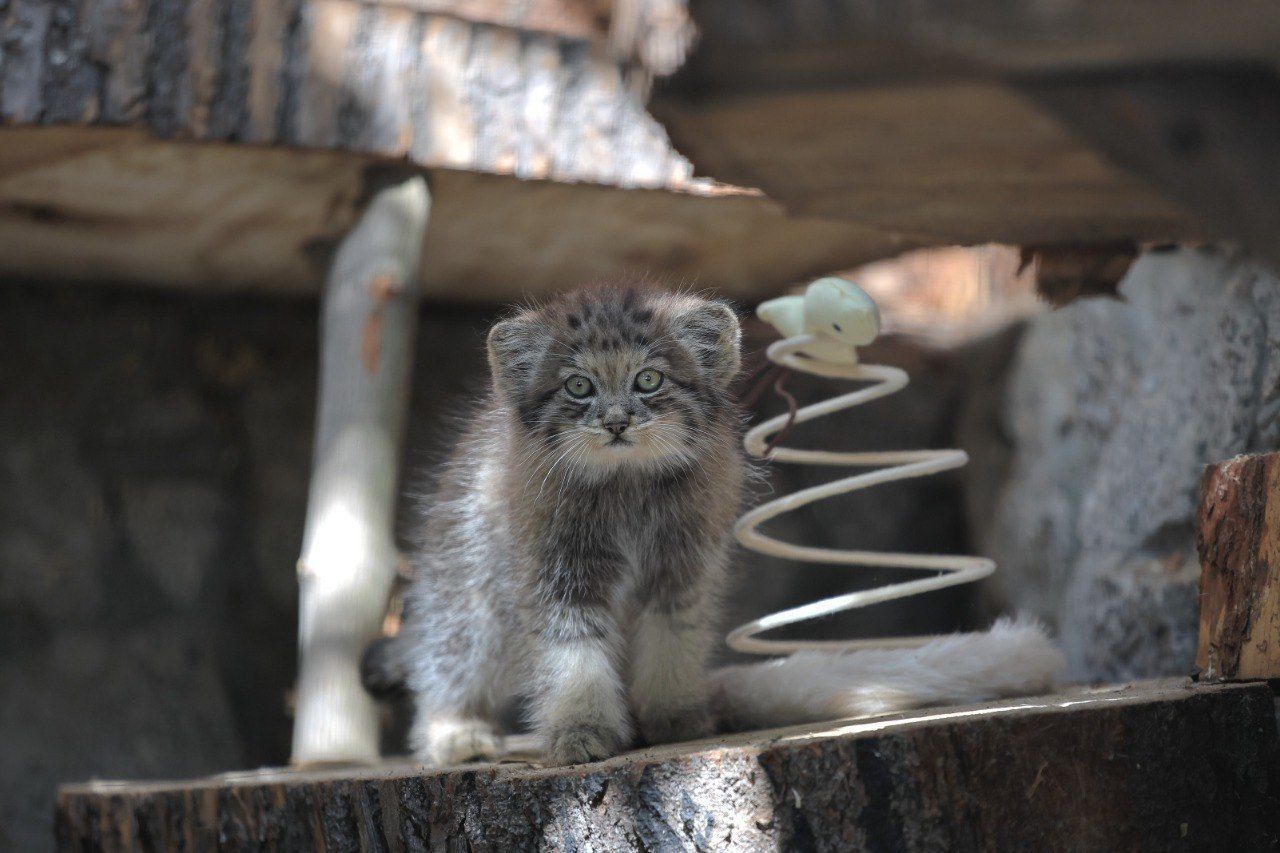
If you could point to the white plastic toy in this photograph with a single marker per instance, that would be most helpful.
(839, 315)
(820, 330)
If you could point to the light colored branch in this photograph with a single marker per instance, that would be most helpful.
(348, 554)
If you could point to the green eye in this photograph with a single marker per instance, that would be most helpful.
(648, 380)
(579, 386)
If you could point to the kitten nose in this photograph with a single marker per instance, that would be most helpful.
(616, 422)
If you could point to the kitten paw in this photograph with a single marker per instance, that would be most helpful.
(452, 741)
(574, 744)
(671, 726)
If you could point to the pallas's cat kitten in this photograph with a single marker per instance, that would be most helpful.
(576, 545)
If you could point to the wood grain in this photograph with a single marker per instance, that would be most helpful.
(1151, 767)
(1238, 537)
(943, 163)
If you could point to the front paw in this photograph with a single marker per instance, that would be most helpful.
(575, 743)
(446, 741)
(671, 726)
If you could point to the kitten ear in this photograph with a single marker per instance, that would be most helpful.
(712, 332)
(514, 349)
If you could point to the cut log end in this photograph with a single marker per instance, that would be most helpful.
(1239, 543)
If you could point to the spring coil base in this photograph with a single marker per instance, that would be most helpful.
(946, 571)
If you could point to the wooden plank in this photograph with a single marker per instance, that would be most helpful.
(114, 206)
(1156, 766)
(1143, 119)
(1208, 137)
(1238, 537)
(967, 162)
(759, 45)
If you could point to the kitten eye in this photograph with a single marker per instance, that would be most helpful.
(579, 386)
(648, 380)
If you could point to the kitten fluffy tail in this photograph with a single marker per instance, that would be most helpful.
(1014, 658)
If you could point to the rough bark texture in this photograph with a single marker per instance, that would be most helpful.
(1239, 545)
(1155, 767)
(375, 78)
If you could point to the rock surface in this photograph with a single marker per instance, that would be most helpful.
(1113, 408)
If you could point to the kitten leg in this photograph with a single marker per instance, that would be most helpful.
(580, 711)
(454, 671)
(670, 649)
(675, 632)
(442, 739)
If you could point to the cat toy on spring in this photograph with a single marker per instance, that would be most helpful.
(820, 332)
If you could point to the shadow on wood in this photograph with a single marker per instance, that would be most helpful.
(1147, 767)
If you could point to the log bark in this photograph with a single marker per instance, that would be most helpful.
(368, 315)
(1238, 537)
(1150, 767)
(379, 78)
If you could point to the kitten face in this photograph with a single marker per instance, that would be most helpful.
(618, 377)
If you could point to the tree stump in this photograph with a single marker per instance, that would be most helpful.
(1156, 766)
(1238, 537)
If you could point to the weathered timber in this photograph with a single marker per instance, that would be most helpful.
(1208, 137)
(368, 315)
(940, 163)
(758, 44)
(378, 78)
(1078, 122)
(1238, 537)
(1156, 766)
(224, 147)
(118, 207)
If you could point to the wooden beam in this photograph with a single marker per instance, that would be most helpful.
(761, 45)
(1238, 537)
(368, 315)
(1207, 137)
(1154, 766)
(114, 206)
(935, 163)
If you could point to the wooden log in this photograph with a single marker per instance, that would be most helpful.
(394, 79)
(1157, 766)
(1238, 537)
(368, 315)
(212, 146)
